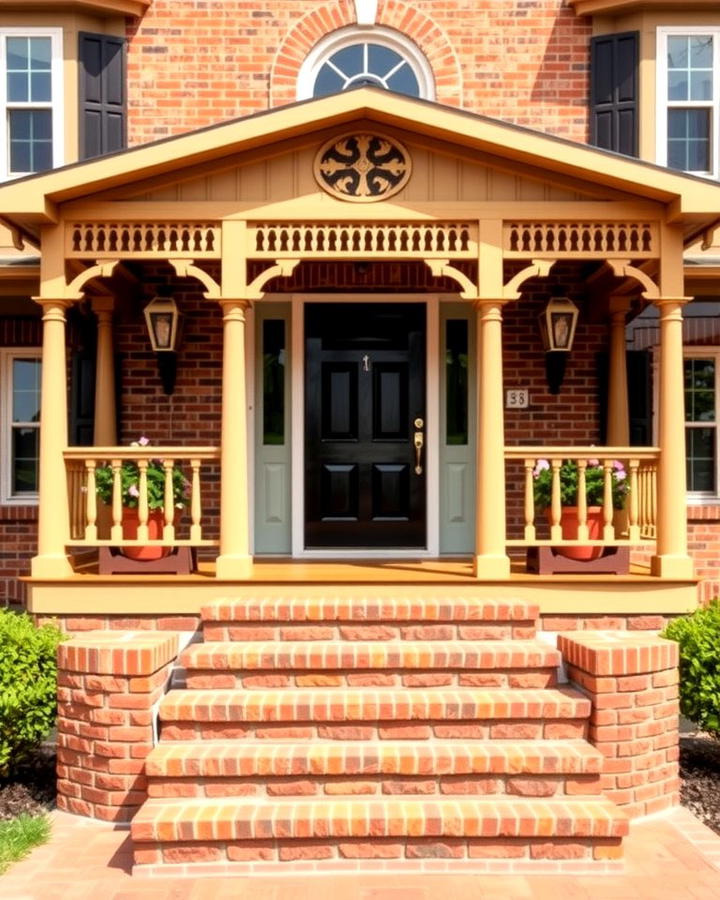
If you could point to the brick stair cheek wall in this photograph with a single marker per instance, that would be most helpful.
(632, 683)
(108, 683)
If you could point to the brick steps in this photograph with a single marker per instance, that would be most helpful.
(218, 769)
(334, 732)
(250, 664)
(350, 618)
(199, 830)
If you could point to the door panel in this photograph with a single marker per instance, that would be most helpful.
(364, 387)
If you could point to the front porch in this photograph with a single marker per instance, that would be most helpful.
(249, 223)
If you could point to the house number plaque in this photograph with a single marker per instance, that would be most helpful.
(517, 398)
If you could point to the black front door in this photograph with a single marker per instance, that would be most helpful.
(364, 416)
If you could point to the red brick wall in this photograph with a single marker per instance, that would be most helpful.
(193, 63)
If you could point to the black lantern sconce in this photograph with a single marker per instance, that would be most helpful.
(162, 318)
(557, 328)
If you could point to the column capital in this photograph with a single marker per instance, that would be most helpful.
(665, 302)
(234, 307)
(490, 307)
(50, 303)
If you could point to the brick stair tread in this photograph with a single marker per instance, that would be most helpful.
(225, 655)
(207, 759)
(203, 819)
(360, 704)
(367, 609)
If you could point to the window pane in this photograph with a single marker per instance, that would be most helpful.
(689, 139)
(700, 448)
(456, 381)
(350, 59)
(40, 87)
(273, 381)
(404, 82)
(328, 82)
(677, 50)
(382, 59)
(25, 455)
(677, 85)
(30, 140)
(701, 51)
(26, 390)
(699, 390)
(40, 53)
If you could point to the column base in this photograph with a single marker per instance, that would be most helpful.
(236, 568)
(491, 568)
(666, 566)
(51, 566)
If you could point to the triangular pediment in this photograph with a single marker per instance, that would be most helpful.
(268, 158)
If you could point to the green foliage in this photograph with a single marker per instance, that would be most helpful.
(19, 836)
(130, 484)
(28, 686)
(698, 635)
(594, 484)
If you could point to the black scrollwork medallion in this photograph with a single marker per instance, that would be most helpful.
(363, 167)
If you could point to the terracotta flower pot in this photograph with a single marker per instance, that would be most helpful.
(130, 522)
(569, 524)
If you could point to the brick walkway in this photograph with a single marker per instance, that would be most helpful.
(669, 856)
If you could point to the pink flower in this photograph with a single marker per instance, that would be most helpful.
(143, 441)
(594, 463)
(540, 466)
(618, 466)
(133, 491)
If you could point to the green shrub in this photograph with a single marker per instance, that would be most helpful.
(28, 686)
(698, 635)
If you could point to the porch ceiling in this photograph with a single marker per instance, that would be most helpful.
(692, 202)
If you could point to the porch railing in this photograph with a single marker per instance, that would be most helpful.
(95, 524)
(633, 524)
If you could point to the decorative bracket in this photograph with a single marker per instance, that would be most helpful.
(622, 268)
(282, 267)
(186, 268)
(101, 269)
(441, 268)
(538, 267)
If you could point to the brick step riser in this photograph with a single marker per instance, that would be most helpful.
(206, 679)
(523, 729)
(419, 850)
(380, 631)
(377, 785)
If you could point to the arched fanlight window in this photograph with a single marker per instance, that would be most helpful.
(378, 57)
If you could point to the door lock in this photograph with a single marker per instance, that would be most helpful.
(418, 422)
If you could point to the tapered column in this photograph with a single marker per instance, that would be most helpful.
(618, 415)
(491, 560)
(105, 429)
(234, 560)
(672, 560)
(53, 512)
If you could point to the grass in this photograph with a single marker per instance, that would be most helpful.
(19, 836)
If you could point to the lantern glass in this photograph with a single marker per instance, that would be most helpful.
(561, 323)
(161, 324)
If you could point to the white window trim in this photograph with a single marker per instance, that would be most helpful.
(56, 102)
(701, 498)
(7, 355)
(353, 34)
(662, 103)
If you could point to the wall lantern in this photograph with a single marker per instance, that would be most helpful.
(557, 328)
(162, 318)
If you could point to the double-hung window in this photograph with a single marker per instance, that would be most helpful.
(31, 98)
(702, 367)
(688, 92)
(19, 424)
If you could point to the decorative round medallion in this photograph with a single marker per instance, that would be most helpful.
(362, 167)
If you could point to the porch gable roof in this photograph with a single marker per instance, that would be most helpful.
(693, 202)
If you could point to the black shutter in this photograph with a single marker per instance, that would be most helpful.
(102, 94)
(82, 399)
(614, 92)
(639, 371)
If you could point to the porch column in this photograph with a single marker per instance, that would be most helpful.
(491, 560)
(618, 415)
(53, 512)
(672, 560)
(105, 428)
(234, 560)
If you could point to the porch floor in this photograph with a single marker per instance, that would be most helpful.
(88, 592)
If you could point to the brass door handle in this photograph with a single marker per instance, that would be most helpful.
(419, 441)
